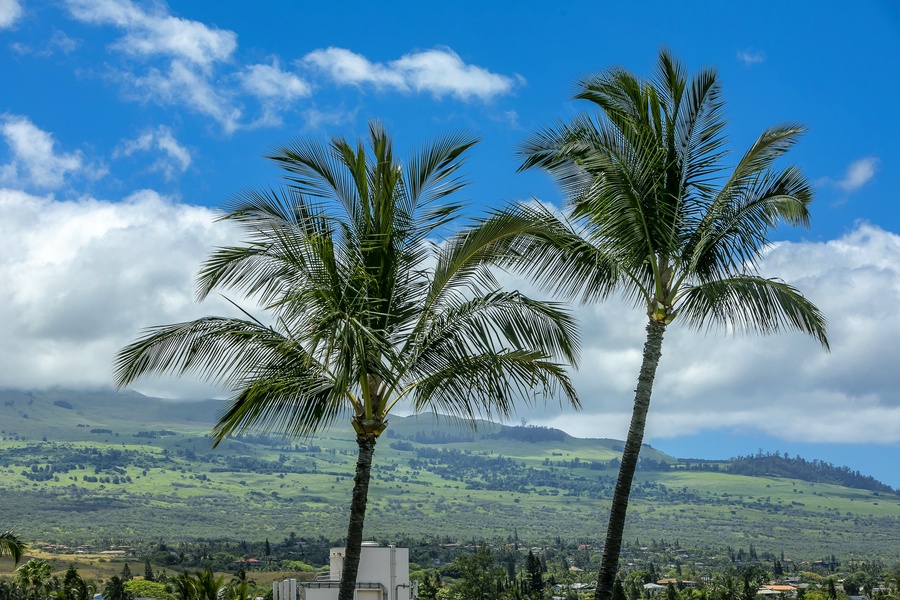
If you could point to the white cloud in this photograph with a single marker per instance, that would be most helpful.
(270, 82)
(84, 277)
(35, 160)
(184, 85)
(192, 51)
(440, 72)
(275, 89)
(176, 158)
(858, 174)
(10, 11)
(347, 67)
(784, 385)
(751, 57)
(148, 34)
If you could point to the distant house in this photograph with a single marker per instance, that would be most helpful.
(383, 575)
(653, 588)
(777, 590)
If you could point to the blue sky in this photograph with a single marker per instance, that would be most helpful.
(123, 124)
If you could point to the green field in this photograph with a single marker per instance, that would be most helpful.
(79, 467)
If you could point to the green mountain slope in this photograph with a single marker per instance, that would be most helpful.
(81, 466)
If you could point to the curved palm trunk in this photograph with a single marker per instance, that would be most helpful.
(614, 531)
(352, 552)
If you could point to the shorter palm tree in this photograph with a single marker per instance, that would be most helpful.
(368, 311)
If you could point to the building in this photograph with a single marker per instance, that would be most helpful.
(383, 575)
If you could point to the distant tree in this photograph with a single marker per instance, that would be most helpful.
(268, 548)
(74, 587)
(427, 589)
(126, 573)
(535, 574)
(857, 582)
(115, 589)
(618, 590)
(148, 571)
(141, 588)
(479, 575)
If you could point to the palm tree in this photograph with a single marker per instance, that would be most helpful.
(657, 216)
(367, 311)
(115, 589)
(11, 544)
(183, 586)
(34, 576)
(208, 586)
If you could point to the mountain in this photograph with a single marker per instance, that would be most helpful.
(80, 466)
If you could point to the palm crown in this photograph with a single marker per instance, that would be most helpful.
(665, 220)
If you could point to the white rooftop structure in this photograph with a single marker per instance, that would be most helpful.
(383, 575)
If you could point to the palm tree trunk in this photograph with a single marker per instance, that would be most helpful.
(352, 552)
(609, 565)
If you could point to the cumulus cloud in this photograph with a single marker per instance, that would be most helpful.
(191, 51)
(84, 277)
(10, 11)
(152, 34)
(783, 385)
(175, 61)
(440, 72)
(275, 89)
(35, 160)
(175, 158)
(270, 82)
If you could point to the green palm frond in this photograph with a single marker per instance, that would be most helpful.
(11, 544)
(752, 304)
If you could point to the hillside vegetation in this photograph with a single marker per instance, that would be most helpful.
(79, 466)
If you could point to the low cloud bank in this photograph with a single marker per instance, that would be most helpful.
(82, 278)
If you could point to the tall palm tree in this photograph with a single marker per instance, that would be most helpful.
(655, 214)
(11, 544)
(367, 311)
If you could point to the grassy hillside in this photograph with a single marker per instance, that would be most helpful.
(78, 466)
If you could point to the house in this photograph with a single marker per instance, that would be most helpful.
(383, 575)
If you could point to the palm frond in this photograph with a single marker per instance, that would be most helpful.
(216, 349)
(554, 253)
(748, 303)
(489, 385)
(290, 400)
(11, 544)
